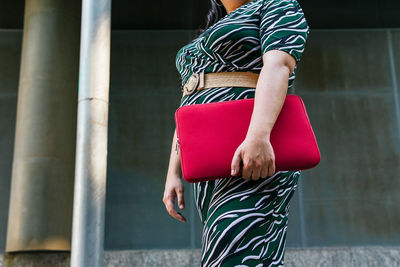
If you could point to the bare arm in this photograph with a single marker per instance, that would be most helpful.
(174, 159)
(256, 151)
(271, 92)
(173, 183)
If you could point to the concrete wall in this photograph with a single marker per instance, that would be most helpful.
(349, 83)
(347, 79)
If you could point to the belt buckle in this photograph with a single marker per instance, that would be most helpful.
(193, 82)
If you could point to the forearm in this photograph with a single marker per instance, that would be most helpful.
(270, 95)
(174, 160)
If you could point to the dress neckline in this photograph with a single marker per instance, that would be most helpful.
(228, 15)
(240, 7)
(222, 18)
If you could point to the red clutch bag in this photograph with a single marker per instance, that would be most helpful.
(209, 134)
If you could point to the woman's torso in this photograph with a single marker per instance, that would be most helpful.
(231, 44)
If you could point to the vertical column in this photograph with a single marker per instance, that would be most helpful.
(91, 146)
(41, 198)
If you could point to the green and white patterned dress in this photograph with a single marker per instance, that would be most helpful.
(244, 221)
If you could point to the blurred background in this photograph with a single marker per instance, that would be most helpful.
(348, 78)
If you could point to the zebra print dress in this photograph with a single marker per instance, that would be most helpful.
(244, 221)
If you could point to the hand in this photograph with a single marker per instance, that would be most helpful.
(258, 158)
(173, 189)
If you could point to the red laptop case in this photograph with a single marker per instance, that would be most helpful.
(208, 135)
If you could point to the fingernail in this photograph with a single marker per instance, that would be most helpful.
(233, 171)
(181, 206)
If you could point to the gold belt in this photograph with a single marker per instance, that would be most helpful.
(200, 81)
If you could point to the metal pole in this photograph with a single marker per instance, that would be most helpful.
(91, 146)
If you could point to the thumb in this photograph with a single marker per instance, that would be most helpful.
(235, 165)
(181, 200)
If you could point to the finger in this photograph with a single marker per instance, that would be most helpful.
(247, 170)
(181, 217)
(235, 164)
(171, 210)
(176, 215)
(264, 171)
(271, 168)
(256, 173)
(181, 199)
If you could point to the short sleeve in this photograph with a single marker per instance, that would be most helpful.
(283, 27)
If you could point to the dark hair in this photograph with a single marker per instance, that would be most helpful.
(214, 14)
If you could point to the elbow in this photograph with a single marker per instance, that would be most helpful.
(281, 60)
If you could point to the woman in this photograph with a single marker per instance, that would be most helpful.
(244, 217)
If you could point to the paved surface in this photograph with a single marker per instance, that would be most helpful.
(343, 256)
